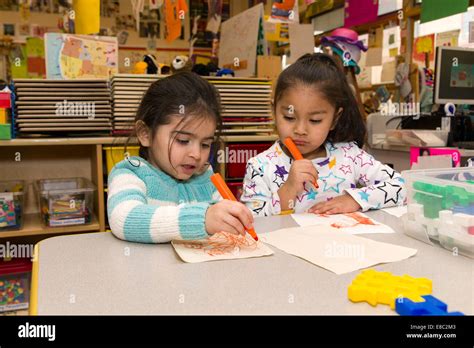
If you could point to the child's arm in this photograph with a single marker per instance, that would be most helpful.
(384, 187)
(257, 194)
(132, 218)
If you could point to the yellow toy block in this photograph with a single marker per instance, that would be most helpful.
(3, 116)
(376, 287)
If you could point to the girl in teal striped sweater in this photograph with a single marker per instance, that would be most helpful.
(166, 192)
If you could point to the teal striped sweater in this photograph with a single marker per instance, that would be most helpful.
(146, 205)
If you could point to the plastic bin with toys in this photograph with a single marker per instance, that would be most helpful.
(441, 207)
(15, 276)
(65, 202)
(12, 199)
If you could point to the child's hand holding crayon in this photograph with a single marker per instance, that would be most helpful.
(301, 171)
(228, 216)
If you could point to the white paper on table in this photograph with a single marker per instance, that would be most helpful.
(220, 246)
(335, 250)
(352, 223)
(396, 211)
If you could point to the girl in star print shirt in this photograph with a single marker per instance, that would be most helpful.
(316, 108)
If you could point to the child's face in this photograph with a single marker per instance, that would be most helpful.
(304, 115)
(190, 146)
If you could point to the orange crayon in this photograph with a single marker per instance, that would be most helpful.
(226, 193)
(290, 145)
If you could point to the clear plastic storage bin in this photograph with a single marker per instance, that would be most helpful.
(441, 207)
(12, 199)
(64, 202)
(15, 278)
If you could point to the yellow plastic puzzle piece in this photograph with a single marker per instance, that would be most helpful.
(376, 287)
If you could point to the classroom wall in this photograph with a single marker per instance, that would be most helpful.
(51, 20)
(129, 54)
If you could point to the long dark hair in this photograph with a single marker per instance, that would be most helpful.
(183, 93)
(324, 73)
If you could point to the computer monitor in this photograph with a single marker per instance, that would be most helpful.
(454, 80)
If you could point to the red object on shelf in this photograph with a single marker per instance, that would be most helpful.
(15, 266)
(5, 100)
(237, 155)
(236, 188)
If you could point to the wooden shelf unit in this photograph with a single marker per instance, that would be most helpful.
(34, 159)
(32, 226)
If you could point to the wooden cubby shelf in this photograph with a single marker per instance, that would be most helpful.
(33, 226)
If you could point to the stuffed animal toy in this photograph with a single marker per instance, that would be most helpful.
(140, 68)
(181, 63)
(152, 67)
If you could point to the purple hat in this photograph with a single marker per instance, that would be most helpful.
(345, 35)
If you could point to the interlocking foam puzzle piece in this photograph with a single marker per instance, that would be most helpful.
(430, 306)
(376, 287)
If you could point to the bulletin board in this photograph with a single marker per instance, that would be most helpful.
(239, 36)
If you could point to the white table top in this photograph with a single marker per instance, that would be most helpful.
(100, 274)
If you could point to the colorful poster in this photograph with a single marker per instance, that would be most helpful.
(391, 43)
(285, 11)
(276, 31)
(448, 38)
(417, 152)
(80, 56)
(421, 46)
(18, 62)
(35, 54)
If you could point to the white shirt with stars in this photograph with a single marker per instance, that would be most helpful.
(347, 168)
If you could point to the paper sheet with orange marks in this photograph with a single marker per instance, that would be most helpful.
(333, 249)
(220, 246)
(353, 223)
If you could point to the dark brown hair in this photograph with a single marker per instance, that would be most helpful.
(183, 93)
(327, 76)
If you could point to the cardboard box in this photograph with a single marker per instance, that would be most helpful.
(268, 67)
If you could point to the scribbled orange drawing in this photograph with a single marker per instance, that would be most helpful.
(359, 218)
(222, 243)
